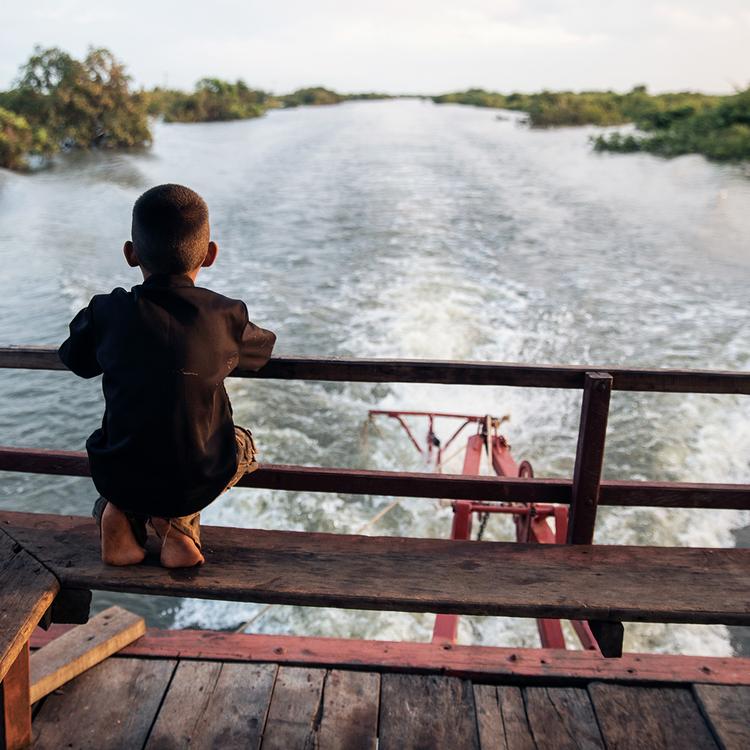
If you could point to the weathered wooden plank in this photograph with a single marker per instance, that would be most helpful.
(515, 721)
(426, 711)
(422, 575)
(562, 718)
(15, 707)
(110, 707)
(476, 662)
(489, 718)
(295, 710)
(727, 709)
(656, 718)
(81, 648)
(587, 473)
(349, 720)
(214, 705)
(442, 371)
(501, 718)
(424, 485)
(27, 589)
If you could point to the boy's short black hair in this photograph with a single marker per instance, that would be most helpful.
(170, 229)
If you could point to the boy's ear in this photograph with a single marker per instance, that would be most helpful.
(130, 254)
(213, 251)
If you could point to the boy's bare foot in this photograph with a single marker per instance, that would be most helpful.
(177, 550)
(119, 545)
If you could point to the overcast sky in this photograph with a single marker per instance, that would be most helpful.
(420, 46)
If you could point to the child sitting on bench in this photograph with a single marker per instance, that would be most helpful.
(167, 446)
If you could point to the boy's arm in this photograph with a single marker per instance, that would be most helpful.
(78, 351)
(256, 346)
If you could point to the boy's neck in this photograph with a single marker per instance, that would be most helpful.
(192, 275)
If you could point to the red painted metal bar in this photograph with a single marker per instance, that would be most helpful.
(502, 460)
(446, 626)
(460, 429)
(409, 433)
(448, 415)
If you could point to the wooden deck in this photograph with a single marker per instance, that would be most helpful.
(132, 702)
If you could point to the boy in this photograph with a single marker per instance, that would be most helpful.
(167, 446)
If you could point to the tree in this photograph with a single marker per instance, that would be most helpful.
(81, 104)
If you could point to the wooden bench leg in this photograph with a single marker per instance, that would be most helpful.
(609, 635)
(15, 729)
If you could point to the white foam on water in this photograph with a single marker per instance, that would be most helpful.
(439, 233)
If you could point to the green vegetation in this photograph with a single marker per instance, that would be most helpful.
(313, 95)
(667, 124)
(18, 140)
(720, 132)
(558, 108)
(60, 102)
(213, 100)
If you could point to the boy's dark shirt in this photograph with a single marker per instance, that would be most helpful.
(166, 446)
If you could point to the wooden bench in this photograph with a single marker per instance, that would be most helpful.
(580, 582)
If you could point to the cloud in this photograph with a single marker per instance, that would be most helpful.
(399, 45)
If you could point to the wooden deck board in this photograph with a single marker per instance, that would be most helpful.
(109, 707)
(394, 573)
(295, 710)
(349, 719)
(562, 718)
(27, 589)
(207, 704)
(501, 718)
(662, 718)
(727, 709)
(213, 704)
(81, 647)
(422, 712)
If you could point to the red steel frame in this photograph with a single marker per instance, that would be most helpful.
(531, 519)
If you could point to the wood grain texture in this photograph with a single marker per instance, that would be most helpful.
(349, 720)
(587, 472)
(501, 718)
(515, 720)
(425, 712)
(424, 485)
(562, 718)
(443, 371)
(110, 707)
(214, 705)
(478, 662)
(81, 648)
(27, 589)
(421, 575)
(295, 710)
(663, 718)
(15, 707)
(489, 718)
(727, 710)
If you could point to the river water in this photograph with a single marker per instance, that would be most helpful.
(405, 229)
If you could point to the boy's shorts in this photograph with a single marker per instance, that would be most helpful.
(190, 525)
